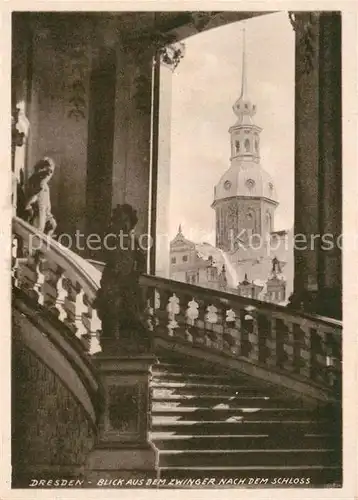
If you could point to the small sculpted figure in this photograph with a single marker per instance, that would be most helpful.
(38, 202)
(119, 300)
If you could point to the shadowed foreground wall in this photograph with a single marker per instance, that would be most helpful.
(52, 426)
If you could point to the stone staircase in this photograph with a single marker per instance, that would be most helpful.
(232, 430)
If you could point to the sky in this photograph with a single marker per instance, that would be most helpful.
(206, 84)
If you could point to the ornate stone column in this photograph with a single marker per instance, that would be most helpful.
(317, 281)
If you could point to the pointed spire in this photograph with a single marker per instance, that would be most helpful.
(243, 94)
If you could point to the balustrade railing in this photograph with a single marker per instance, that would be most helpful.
(58, 279)
(302, 346)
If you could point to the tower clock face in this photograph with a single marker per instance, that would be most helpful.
(227, 185)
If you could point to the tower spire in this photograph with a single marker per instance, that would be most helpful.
(243, 94)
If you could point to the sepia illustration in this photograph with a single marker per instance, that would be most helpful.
(176, 249)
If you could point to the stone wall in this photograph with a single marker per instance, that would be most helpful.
(51, 435)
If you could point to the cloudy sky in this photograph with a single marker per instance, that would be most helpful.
(205, 86)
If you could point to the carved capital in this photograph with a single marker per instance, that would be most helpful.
(172, 54)
(304, 25)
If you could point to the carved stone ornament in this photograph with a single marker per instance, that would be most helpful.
(304, 24)
(171, 55)
(119, 300)
(143, 48)
(79, 63)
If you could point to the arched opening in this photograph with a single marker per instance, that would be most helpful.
(200, 144)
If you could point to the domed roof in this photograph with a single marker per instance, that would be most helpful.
(248, 179)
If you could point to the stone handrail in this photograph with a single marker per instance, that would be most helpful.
(305, 347)
(58, 279)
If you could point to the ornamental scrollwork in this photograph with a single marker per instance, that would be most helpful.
(78, 67)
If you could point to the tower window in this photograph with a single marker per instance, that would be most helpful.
(246, 106)
(185, 258)
(247, 145)
(250, 183)
(256, 145)
(173, 260)
(237, 146)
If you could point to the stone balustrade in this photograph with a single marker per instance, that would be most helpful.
(277, 338)
(58, 279)
(281, 340)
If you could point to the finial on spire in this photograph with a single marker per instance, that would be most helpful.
(180, 229)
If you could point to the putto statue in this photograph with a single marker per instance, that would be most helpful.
(119, 300)
(38, 203)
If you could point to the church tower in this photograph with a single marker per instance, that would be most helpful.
(245, 197)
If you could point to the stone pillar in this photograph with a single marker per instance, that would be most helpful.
(132, 130)
(330, 165)
(123, 450)
(317, 161)
(163, 172)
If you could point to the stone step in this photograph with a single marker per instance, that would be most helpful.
(160, 389)
(209, 400)
(197, 377)
(224, 411)
(246, 458)
(169, 441)
(280, 428)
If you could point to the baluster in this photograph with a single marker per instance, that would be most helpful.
(246, 327)
(181, 317)
(334, 360)
(54, 291)
(198, 330)
(264, 333)
(192, 314)
(33, 277)
(75, 308)
(298, 339)
(306, 352)
(15, 262)
(231, 332)
(93, 326)
(173, 309)
(253, 336)
(319, 355)
(219, 326)
(289, 364)
(210, 319)
(270, 342)
(162, 312)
